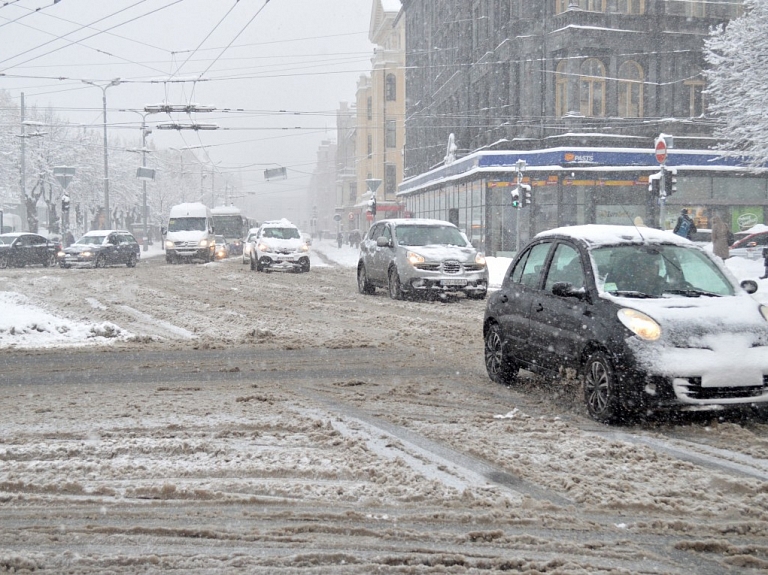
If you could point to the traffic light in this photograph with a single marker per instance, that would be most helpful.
(65, 203)
(525, 197)
(372, 206)
(516, 198)
(654, 185)
(670, 181)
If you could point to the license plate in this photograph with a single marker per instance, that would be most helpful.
(454, 282)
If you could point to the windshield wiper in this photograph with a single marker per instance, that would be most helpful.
(631, 293)
(692, 292)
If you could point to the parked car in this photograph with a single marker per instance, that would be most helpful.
(279, 245)
(18, 249)
(649, 321)
(420, 256)
(101, 248)
(701, 236)
(751, 246)
(248, 244)
(222, 248)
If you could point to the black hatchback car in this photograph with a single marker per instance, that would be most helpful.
(22, 249)
(101, 248)
(647, 319)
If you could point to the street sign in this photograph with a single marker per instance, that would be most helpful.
(661, 150)
(337, 217)
(351, 216)
(273, 173)
(145, 173)
(63, 175)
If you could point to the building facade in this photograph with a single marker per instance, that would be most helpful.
(381, 117)
(577, 89)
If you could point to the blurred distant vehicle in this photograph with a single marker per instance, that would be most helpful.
(222, 248)
(279, 246)
(22, 249)
(750, 247)
(248, 244)
(102, 248)
(229, 222)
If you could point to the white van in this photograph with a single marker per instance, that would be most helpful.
(190, 234)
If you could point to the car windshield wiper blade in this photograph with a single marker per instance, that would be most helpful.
(692, 292)
(631, 293)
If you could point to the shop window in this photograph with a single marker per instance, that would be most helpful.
(631, 90)
(592, 88)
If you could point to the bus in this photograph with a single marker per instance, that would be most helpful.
(229, 222)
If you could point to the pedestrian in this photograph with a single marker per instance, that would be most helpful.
(765, 264)
(684, 226)
(720, 237)
(340, 239)
(69, 239)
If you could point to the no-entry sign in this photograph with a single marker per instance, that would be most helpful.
(661, 150)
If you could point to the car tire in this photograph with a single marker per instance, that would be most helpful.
(500, 367)
(305, 266)
(131, 263)
(50, 261)
(395, 288)
(601, 392)
(100, 262)
(363, 285)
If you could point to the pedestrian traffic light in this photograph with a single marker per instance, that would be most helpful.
(670, 181)
(525, 196)
(516, 197)
(65, 203)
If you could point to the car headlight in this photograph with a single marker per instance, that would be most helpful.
(640, 324)
(304, 247)
(414, 258)
(480, 259)
(86, 254)
(764, 311)
(203, 243)
(263, 247)
(169, 244)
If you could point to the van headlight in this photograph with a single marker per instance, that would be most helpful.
(304, 247)
(169, 244)
(764, 312)
(263, 247)
(414, 258)
(480, 259)
(204, 243)
(643, 326)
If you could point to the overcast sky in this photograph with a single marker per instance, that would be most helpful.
(301, 56)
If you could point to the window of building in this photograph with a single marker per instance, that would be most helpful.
(391, 88)
(370, 146)
(352, 192)
(695, 8)
(695, 94)
(390, 179)
(370, 107)
(391, 134)
(631, 90)
(632, 6)
(592, 88)
(590, 5)
(561, 89)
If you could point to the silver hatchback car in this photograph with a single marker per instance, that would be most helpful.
(420, 256)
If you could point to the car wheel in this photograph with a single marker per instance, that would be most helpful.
(500, 367)
(100, 262)
(131, 263)
(601, 392)
(395, 289)
(363, 285)
(304, 266)
(3, 262)
(50, 260)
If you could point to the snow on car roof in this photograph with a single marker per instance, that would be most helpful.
(606, 235)
(104, 232)
(418, 222)
(284, 223)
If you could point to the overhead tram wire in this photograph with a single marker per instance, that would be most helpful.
(30, 13)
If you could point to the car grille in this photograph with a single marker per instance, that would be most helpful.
(694, 390)
(185, 244)
(451, 267)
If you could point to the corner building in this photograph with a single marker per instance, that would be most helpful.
(577, 89)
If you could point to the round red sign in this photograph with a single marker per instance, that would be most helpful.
(661, 151)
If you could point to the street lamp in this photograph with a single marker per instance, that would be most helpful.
(103, 89)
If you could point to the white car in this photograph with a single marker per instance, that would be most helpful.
(279, 245)
(248, 244)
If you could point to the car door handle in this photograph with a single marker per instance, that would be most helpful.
(539, 307)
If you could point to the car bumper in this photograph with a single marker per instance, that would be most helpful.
(189, 253)
(285, 261)
(77, 262)
(420, 281)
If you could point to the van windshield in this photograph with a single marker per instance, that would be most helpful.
(186, 225)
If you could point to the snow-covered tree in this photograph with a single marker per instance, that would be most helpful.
(738, 82)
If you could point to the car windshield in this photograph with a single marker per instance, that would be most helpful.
(414, 235)
(281, 233)
(186, 225)
(657, 271)
(91, 240)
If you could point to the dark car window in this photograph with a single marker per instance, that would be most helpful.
(565, 267)
(386, 233)
(531, 265)
(36, 240)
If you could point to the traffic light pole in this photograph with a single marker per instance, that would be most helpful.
(663, 199)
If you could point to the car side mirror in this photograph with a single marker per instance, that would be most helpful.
(566, 289)
(749, 286)
(383, 242)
